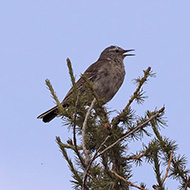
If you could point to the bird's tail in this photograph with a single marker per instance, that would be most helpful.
(49, 115)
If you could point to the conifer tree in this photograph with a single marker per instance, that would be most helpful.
(100, 143)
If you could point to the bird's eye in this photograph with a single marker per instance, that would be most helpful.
(117, 50)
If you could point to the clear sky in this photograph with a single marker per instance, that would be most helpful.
(37, 36)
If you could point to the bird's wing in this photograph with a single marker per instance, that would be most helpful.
(91, 73)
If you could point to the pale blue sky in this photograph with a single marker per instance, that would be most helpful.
(37, 36)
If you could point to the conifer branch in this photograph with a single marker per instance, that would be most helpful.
(75, 90)
(141, 82)
(178, 163)
(72, 77)
(60, 107)
(116, 120)
(132, 131)
(94, 175)
(73, 170)
(167, 170)
(126, 181)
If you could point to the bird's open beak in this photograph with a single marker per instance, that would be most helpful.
(125, 53)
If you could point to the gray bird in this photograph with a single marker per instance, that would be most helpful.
(107, 75)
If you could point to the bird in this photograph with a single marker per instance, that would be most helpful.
(106, 74)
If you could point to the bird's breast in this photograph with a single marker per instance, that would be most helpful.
(109, 80)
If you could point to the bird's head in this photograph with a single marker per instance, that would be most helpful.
(115, 52)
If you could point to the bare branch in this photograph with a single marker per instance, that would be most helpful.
(187, 184)
(93, 158)
(136, 157)
(167, 170)
(86, 152)
(126, 181)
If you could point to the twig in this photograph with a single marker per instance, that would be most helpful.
(86, 152)
(126, 181)
(187, 183)
(132, 131)
(68, 146)
(167, 170)
(137, 157)
(157, 187)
